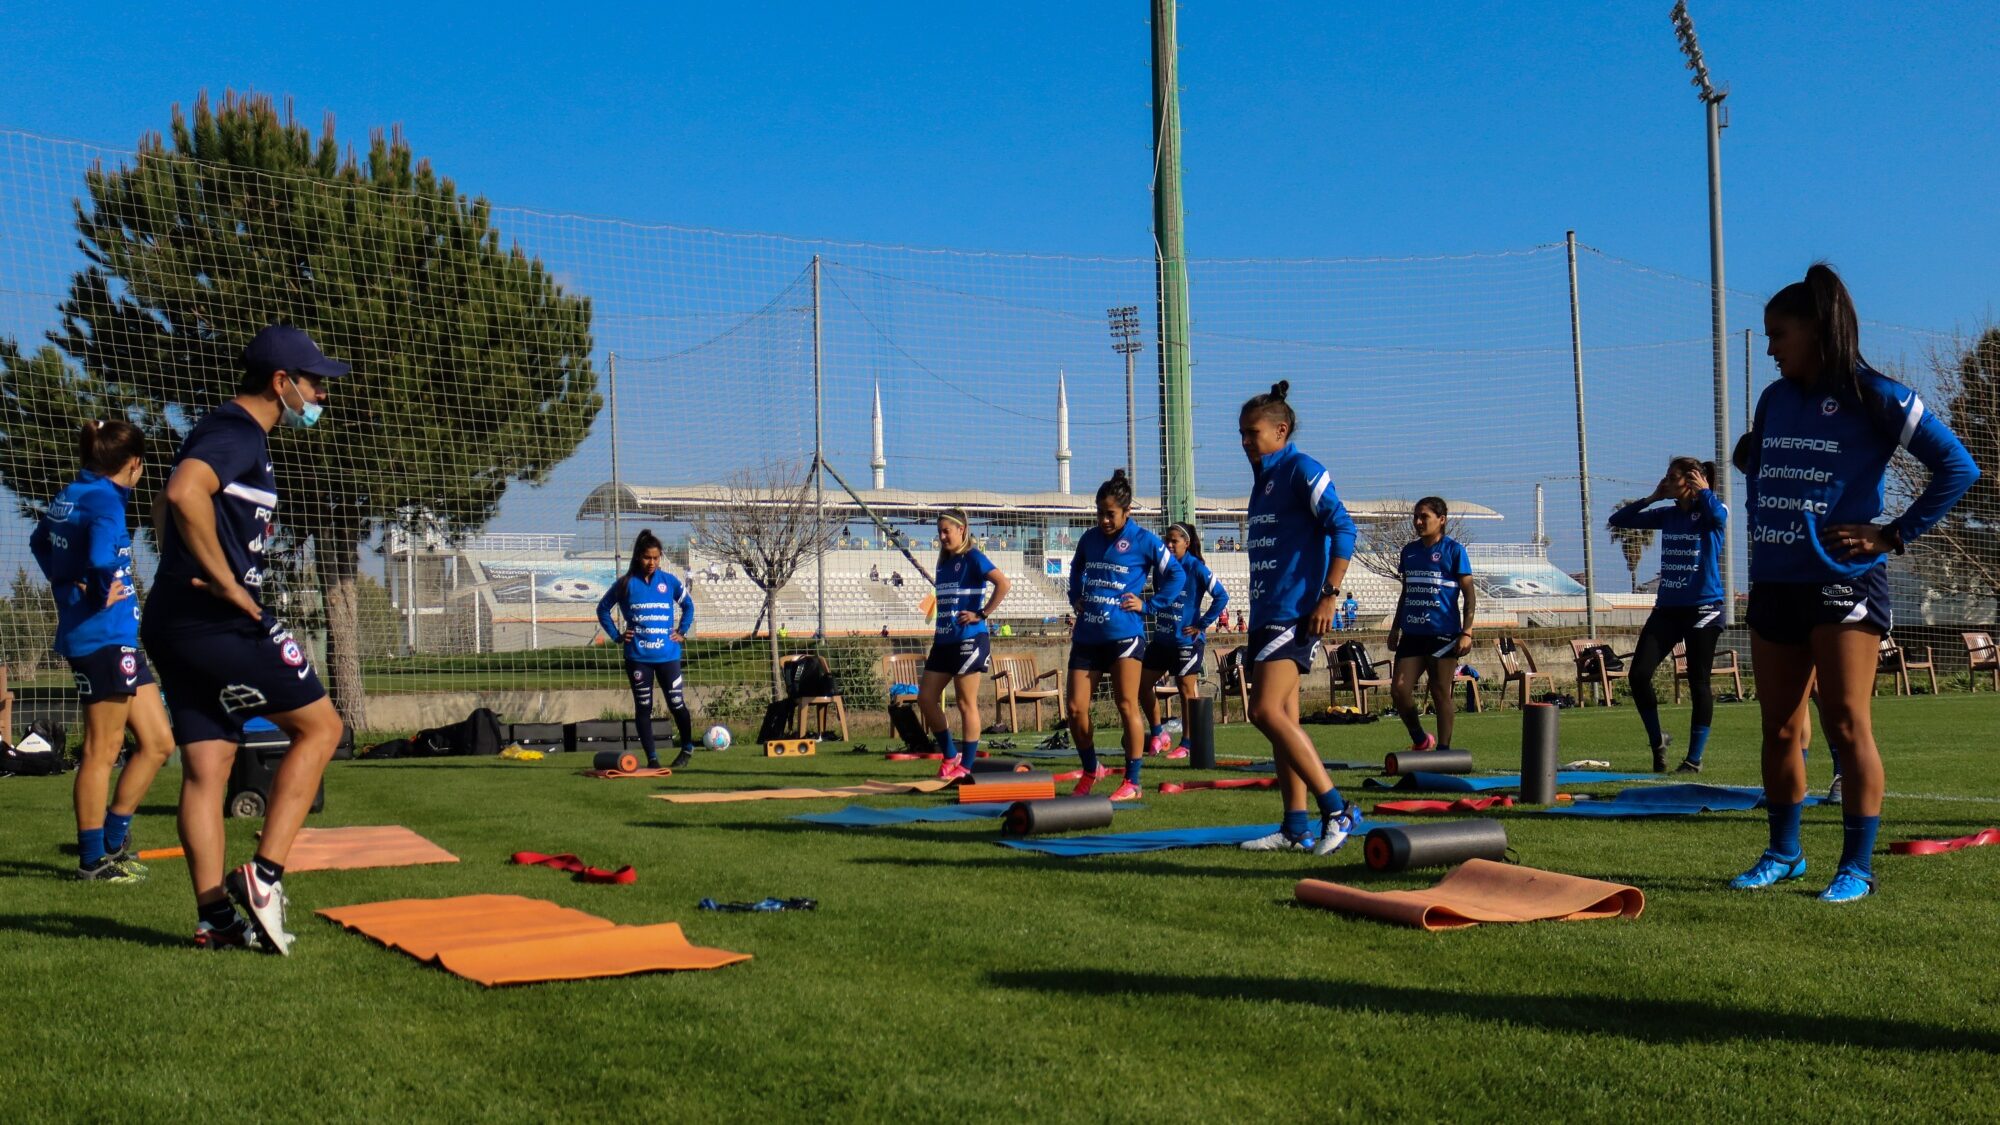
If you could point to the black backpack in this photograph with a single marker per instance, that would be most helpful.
(808, 678)
(1233, 664)
(909, 726)
(1600, 656)
(37, 763)
(477, 734)
(1355, 654)
(778, 717)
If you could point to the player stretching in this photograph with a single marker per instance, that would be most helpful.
(658, 613)
(1688, 607)
(84, 547)
(1180, 635)
(1432, 628)
(1301, 539)
(1113, 560)
(1816, 456)
(222, 657)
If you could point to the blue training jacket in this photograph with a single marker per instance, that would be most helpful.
(1186, 606)
(654, 608)
(1820, 459)
(1429, 604)
(1691, 546)
(83, 545)
(1298, 526)
(1106, 568)
(961, 586)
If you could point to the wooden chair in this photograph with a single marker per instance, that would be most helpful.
(818, 702)
(1017, 681)
(1345, 675)
(1980, 656)
(1517, 666)
(6, 709)
(1726, 664)
(1232, 673)
(1897, 662)
(1593, 673)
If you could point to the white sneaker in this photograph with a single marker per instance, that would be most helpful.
(1833, 791)
(264, 902)
(1277, 842)
(1335, 827)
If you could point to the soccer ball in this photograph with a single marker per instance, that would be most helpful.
(717, 738)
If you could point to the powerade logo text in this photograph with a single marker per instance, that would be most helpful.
(1805, 444)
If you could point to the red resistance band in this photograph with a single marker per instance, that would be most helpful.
(1220, 783)
(1463, 804)
(583, 873)
(1934, 847)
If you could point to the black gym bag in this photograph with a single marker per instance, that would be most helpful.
(778, 718)
(478, 734)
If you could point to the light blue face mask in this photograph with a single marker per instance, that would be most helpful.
(305, 415)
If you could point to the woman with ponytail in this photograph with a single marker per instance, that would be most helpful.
(1815, 458)
(659, 613)
(1301, 539)
(1113, 560)
(1180, 635)
(962, 647)
(83, 544)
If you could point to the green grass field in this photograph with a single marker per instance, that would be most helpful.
(944, 977)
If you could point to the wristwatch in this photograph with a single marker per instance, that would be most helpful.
(1326, 592)
(981, 613)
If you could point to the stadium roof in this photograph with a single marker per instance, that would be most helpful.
(682, 503)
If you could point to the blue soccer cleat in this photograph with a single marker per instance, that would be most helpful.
(1769, 869)
(1335, 827)
(1847, 886)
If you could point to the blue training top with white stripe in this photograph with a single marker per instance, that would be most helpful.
(1820, 459)
(1106, 568)
(235, 446)
(1691, 546)
(83, 546)
(961, 587)
(1185, 610)
(1429, 604)
(1298, 526)
(655, 609)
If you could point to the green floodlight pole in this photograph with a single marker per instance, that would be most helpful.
(1176, 400)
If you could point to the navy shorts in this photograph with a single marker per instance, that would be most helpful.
(1289, 641)
(1674, 624)
(217, 676)
(1102, 656)
(1167, 654)
(643, 675)
(109, 673)
(1786, 613)
(967, 656)
(1416, 647)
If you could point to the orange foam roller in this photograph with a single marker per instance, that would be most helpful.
(1007, 787)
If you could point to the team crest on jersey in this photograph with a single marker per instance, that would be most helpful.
(128, 664)
(59, 510)
(1124, 544)
(291, 653)
(1270, 486)
(662, 587)
(1437, 556)
(1829, 406)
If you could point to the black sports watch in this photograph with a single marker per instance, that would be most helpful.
(981, 613)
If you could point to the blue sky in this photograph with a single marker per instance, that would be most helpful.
(1311, 129)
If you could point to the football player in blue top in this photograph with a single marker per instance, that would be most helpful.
(84, 547)
(1820, 445)
(658, 613)
(1113, 560)
(1301, 539)
(224, 659)
(1180, 636)
(1433, 624)
(962, 647)
(1688, 607)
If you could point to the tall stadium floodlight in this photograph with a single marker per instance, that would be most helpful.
(1718, 120)
(1125, 341)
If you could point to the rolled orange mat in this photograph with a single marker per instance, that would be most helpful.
(1481, 890)
(1008, 787)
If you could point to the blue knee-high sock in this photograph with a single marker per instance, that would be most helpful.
(1835, 755)
(1158, 729)
(1857, 844)
(1297, 823)
(968, 753)
(1088, 756)
(1414, 723)
(944, 743)
(1132, 769)
(1697, 744)
(1785, 830)
(1330, 801)
(89, 846)
(1651, 717)
(117, 830)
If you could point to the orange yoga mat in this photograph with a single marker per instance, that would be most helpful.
(507, 939)
(162, 853)
(1480, 890)
(654, 771)
(1007, 787)
(342, 849)
(865, 789)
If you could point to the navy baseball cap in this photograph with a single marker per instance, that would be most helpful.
(284, 347)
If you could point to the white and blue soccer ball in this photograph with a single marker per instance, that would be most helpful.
(717, 738)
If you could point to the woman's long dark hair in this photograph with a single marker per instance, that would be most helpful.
(1118, 490)
(1822, 301)
(1274, 405)
(645, 541)
(107, 447)
(1188, 529)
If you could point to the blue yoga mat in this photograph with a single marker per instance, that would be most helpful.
(1125, 843)
(1456, 783)
(1671, 800)
(863, 816)
(1332, 767)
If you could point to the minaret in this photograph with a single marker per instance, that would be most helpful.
(878, 462)
(1062, 433)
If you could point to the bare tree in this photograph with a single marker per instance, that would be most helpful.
(1633, 541)
(1961, 555)
(766, 526)
(1378, 544)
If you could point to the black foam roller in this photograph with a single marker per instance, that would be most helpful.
(1061, 814)
(996, 765)
(1434, 845)
(1200, 722)
(1540, 750)
(614, 760)
(1429, 761)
